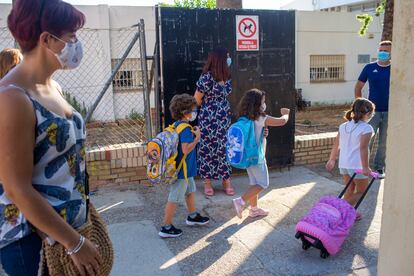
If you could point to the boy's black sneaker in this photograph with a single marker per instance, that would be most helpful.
(198, 220)
(170, 233)
(381, 174)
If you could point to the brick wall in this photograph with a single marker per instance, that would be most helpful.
(313, 149)
(117, 164)
(126, 163)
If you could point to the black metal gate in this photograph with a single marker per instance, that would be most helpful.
(187, 35)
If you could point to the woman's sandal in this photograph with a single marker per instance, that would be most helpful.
(228, 189)
(208, 191)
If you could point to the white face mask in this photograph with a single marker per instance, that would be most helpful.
(71, 55)
(263, 107)
(193, 116)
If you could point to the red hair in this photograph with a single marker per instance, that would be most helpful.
(29, 18)
(217, 65)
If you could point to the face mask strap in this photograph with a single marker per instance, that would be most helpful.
(61, 40)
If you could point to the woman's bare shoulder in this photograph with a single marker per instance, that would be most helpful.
(15, 105)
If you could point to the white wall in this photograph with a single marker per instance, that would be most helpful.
(302, 5)
(324, 4)
(121, 16)
(318, 33)
(310, 5)
(100, 46)
(326, 33)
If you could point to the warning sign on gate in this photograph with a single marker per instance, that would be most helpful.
(247, 30)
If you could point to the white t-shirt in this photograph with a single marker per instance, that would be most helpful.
(259, 124)
(350, 134)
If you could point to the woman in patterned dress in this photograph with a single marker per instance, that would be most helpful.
(213, 89)
(42, 143)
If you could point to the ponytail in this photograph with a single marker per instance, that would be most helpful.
(359, 109)
(348, 115)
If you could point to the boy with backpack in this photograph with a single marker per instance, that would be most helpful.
(183, 109)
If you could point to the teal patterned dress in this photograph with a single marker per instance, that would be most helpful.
(58, 173)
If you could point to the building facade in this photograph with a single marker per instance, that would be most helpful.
(105, 37)
(329, 57)
(334, 5)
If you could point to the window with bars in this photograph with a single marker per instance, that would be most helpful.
(327, 68)
(129, 76)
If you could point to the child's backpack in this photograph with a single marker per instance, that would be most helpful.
(162, 153)
(242, 150)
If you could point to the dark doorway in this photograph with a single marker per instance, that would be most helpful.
(187, 35)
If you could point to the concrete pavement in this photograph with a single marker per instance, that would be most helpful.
(228, 245)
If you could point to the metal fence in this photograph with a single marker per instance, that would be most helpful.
(110, 88)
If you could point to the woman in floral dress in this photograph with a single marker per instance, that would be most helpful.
(213, 89)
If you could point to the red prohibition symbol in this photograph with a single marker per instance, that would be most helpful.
(247, 27)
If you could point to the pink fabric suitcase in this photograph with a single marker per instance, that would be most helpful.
(328, 223)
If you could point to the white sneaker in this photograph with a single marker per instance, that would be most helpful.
(258, 212)
(238, 206)
(381, 174)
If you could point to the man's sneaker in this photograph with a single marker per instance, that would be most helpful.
(198, 220)
(170, 233)
(258, 212)
(238, 206)
(381, 174)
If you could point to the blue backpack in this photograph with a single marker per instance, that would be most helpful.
(242, 149)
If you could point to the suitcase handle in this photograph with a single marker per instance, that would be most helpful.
(373, 174)
(374, 177)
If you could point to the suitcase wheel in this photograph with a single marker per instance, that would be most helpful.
(324, 254)
(305, 244)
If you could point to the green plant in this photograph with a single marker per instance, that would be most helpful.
(366, 18)
(192, 4)
(81, 108)
(134, 115)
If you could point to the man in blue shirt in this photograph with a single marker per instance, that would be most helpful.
(378, 76)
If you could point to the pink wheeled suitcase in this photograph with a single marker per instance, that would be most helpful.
(328, 223)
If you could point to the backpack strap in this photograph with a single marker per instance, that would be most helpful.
(183, 164)
(180, 128)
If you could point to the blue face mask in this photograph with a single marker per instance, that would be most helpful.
(383, 56)
(228, 61)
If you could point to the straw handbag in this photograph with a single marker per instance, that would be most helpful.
(58, 263)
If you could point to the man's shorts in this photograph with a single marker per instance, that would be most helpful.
(180, 189)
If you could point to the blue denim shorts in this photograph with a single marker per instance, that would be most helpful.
(351, 172)
(22, 257)
(180, 189)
